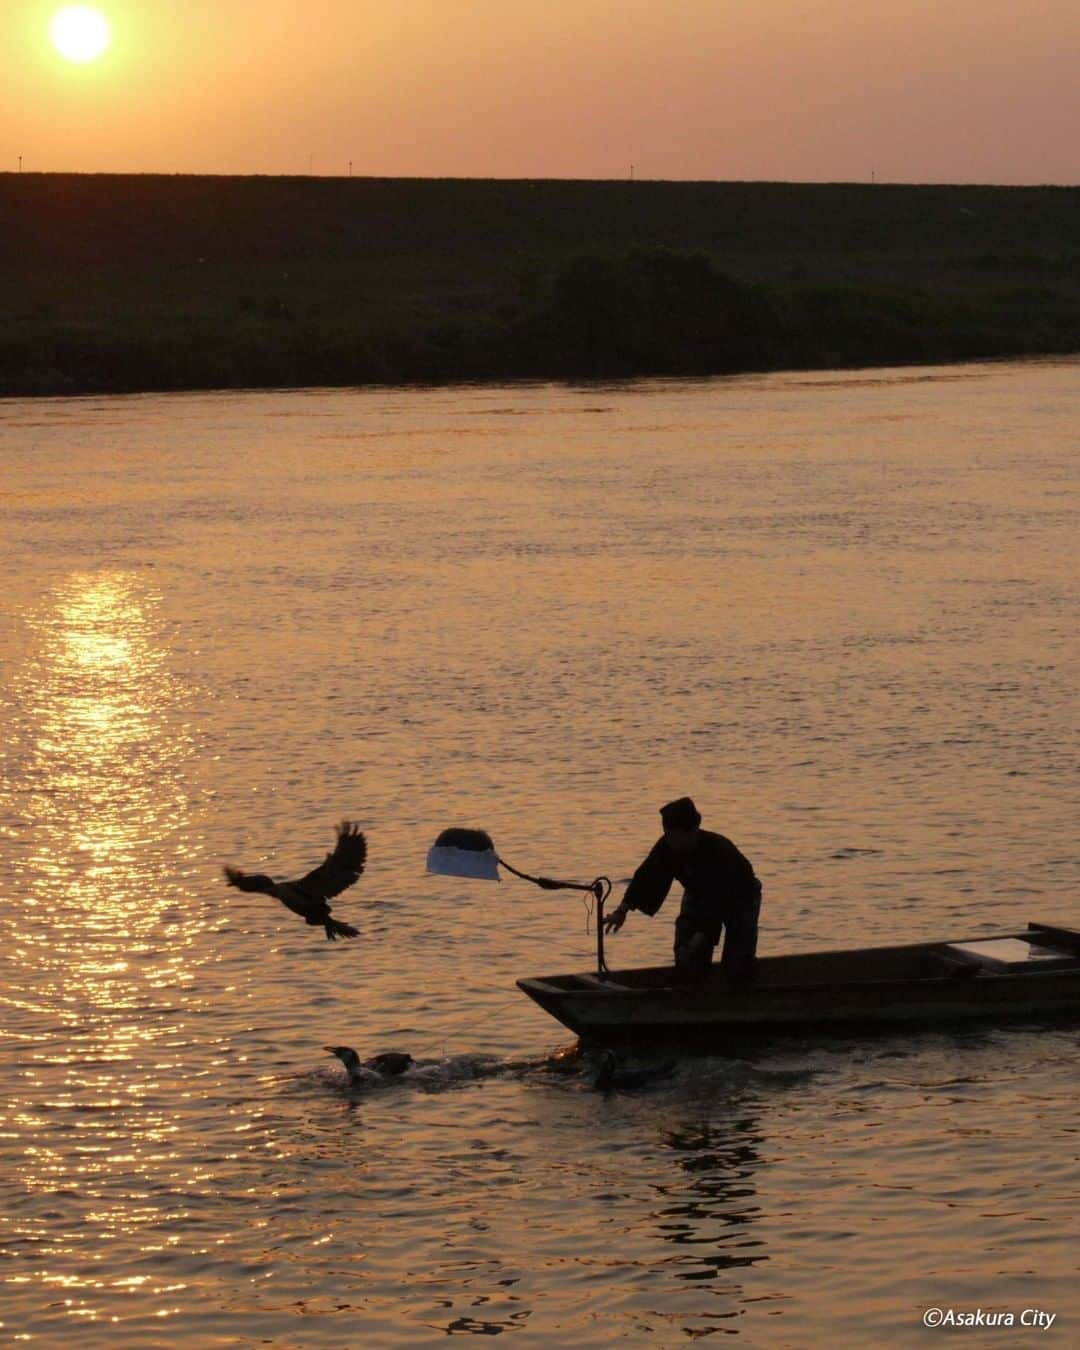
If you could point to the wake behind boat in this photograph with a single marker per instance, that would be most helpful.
(1033, 972)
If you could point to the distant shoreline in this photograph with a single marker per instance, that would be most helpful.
(149, 283)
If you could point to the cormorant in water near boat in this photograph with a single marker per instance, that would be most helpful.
(387, 1064)
(611, 1076)
(309, 896)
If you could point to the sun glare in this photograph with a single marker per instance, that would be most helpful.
(80, 33)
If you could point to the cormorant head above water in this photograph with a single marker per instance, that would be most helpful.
(610, 1076)
(387, 1064)
(310, 894)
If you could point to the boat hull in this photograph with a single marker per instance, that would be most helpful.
(920, 984)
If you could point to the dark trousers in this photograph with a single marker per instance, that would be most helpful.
(698, 931)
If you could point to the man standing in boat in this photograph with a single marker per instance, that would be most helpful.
(721, 894)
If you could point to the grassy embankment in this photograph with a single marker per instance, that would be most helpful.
(146, 283)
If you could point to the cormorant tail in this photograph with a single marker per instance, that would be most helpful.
(335, 929)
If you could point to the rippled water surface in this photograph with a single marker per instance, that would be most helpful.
(838, 610)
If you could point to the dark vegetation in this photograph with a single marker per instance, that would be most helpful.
(151, 283)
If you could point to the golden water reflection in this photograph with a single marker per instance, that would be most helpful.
(96, 812)
(103, 788)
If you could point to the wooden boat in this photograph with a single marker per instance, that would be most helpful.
(1031, 973)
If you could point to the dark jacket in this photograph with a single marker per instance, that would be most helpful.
(717, 878)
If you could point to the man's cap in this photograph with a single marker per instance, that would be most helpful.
(680, 814)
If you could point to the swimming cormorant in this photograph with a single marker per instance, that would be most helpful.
(610, 1076)
(309, 896)
(387, 1064)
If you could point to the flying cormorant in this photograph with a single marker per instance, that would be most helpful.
(388, 1064)
(309, 896)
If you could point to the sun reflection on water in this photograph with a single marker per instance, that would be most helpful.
(103, 780)
(94, 810)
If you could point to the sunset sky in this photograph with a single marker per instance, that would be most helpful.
(811, 90)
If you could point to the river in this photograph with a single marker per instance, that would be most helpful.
(839, 610)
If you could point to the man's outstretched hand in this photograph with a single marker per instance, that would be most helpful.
(615, 920)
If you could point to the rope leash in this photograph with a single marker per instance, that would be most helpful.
(598, 889)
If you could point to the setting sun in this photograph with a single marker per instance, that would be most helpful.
(80, 33)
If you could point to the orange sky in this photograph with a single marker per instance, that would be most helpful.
(905, 90)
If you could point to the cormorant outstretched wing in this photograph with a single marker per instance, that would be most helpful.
(339, 869)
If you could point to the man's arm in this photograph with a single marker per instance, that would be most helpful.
(648, 887)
